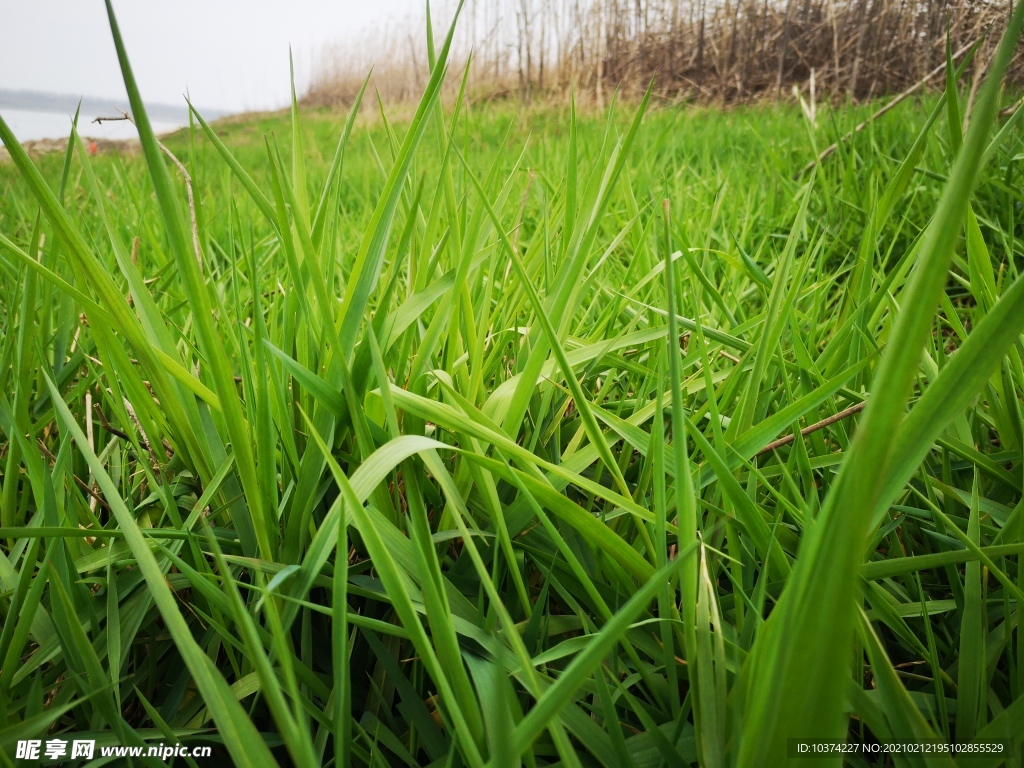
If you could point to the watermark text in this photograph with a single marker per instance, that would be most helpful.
(72, 749)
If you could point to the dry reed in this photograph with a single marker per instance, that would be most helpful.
(703, 50)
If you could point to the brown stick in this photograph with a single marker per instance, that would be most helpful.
(860, 127)
(813, 428)
(123, 435)
(81, 483)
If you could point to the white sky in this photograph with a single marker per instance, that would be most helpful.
(228, 54)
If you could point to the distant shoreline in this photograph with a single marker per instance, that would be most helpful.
(39, 101)
(38, 147)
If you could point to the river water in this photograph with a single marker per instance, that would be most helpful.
(29, 125)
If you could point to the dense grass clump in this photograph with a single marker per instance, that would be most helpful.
(494, 439)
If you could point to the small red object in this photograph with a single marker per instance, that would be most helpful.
(93, 148)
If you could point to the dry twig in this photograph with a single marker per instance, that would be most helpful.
(857, 408)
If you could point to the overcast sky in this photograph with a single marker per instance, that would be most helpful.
(229, 54)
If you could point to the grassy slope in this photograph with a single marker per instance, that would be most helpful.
(521, 638)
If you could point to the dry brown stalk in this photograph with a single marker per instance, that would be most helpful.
(188, 188)
(857, 408)
(864, 124)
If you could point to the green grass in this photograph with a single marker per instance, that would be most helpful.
(446, 440)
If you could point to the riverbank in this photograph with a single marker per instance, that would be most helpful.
(37, 147)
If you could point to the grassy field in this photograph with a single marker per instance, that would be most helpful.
(487, 437)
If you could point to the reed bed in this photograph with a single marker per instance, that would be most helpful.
(500, 438)
(717, 51)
